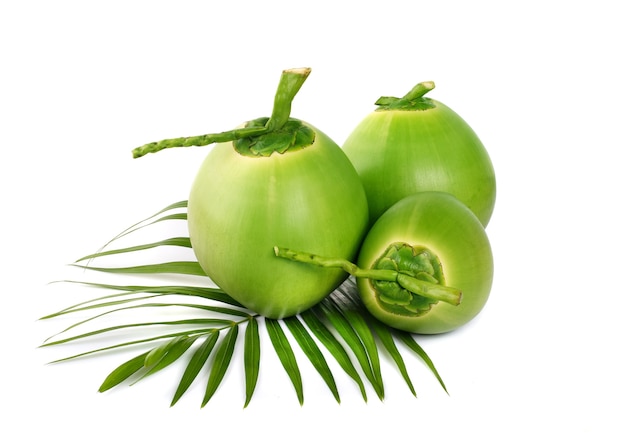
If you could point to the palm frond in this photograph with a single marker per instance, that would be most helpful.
(212, 308)
(286, 355)
(386, 338)
(164, 355)
(334, 347)
(333, 314)
(340, 325)
(177, 267)
(221, 362)
(207, 292)
(410, 342)
(123, 372)
(310, 349)
(196, 363)
(159, 216)
(171, 242)
(252, 357)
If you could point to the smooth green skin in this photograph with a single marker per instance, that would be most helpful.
(444, 225)
(240, 207)
(398, 153)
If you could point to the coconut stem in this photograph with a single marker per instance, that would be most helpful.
(419, 90)
(412, 101)
(426, 289)
(290, 82)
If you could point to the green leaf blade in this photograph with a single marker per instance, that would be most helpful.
(212, 293)
(310, 349)
(197, 361)
(175, 242)
(407, 339)
(123, 372)
(362, 329)
(177, 347)
(252, 357)
(386, 337)
(200, 321)
(335, 316)
(334, 347)
(177, 267)
(147, 221)
(285, 355)
(348, 303)
(155, 355)
(221, 363)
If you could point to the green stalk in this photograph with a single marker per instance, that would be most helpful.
(414, 100)
(290, 83)
(429, 290)
(426, 289)
(199, 140)
(326, 262)
(419, 90)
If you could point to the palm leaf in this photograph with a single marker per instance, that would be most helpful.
(340, 323)
(143, 325)
(171, 242)
(111, 300)
(123, 372)
(356, 319)
(335, 348)
(216, 309)
(174, 349)
(150, 220)
(407, 339)
(386, 337)
(156, 354)
(179, 267)
(220, 363)
(331, 313)
(212, 293)
(196, 363)
(252, 357)
(285, 354)
(310, 349)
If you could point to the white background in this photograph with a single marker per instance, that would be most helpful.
(541, 82)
